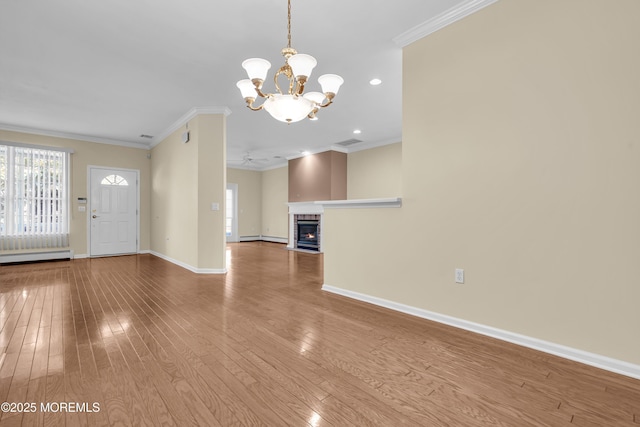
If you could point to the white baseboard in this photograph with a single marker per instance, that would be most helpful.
(592, 359)
(274, 239)
(249, 238)
(37, 256)
(189, 267)
(81, 256)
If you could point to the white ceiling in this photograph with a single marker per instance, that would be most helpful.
(109, 71)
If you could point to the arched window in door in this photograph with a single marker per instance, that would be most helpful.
(114, 180)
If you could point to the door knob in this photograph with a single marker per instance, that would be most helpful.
(94, 216)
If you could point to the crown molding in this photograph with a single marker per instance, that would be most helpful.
(278, 165)
(446, 18)
(315, 151)
(74, 136)
(185, 118)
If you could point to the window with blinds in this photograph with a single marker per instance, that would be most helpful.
(34, 198)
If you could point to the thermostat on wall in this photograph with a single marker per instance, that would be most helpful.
(82, 200)
(185, 137)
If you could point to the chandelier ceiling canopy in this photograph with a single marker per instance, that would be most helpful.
(292, 105)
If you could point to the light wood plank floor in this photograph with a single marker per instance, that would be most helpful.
(153, 344)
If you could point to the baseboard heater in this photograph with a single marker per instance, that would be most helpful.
(36, 256)
(262, 238)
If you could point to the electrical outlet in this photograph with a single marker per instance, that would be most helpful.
(459, 275)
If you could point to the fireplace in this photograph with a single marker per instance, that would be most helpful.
(307, 236)
(305, 220)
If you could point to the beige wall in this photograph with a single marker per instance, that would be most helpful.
(90, 153)
(187, 178)
(249, 200)
(375, 173)
(211, 136)
(275, 212)
(521, 164)
(174, 219)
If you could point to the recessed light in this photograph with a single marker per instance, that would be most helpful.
(357, 131)
(305, 153)
(375, 82)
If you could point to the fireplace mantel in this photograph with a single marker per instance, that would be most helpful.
(301, 208)
(391, 202)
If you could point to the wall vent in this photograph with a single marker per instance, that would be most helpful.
(348, 142)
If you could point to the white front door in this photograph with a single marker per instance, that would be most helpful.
(113, 211)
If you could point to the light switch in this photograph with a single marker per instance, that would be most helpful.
(82, 208)
(215, 206)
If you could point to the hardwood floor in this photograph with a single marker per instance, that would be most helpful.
(153, 344)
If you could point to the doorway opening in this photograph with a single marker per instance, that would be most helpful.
(231, 214)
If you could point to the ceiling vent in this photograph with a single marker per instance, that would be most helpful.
(146, 136)
(348, 142)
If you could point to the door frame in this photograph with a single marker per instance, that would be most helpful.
(88, 205)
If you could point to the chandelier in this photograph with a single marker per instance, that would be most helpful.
(291, 106)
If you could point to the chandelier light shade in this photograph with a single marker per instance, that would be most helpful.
(290, 105)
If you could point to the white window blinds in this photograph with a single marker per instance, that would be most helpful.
(34, 198)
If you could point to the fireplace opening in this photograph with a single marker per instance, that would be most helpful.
(308, 235)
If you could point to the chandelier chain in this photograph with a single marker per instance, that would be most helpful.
(289, 24)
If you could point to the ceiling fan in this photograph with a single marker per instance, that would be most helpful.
(249, 160)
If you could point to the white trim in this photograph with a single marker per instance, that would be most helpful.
(144, 252)
(80, 256)
(592, 359)
(274, 239)
(305, 208)
(317, 151)
(74, 136)
(262, 238)
(436, 23)
(247, 239)
(280, 164)
(157, 139)
(36, 256)
(190, 267)
(391, 202)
